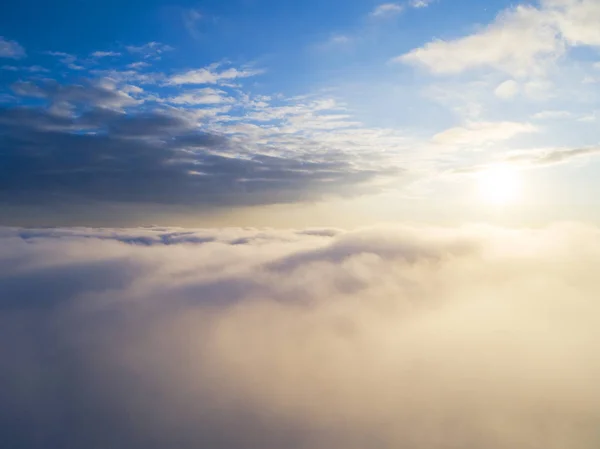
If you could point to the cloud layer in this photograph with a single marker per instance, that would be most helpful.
(242, 338)
(103, 140)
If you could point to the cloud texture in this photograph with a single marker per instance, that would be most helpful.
(240, 338)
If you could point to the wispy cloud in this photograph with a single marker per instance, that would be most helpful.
(551, 156)
(31, 68)
(66, 58)
(190, 18)
(138, 65)
(11, 49)
(482, 133)
(421, 3)
(201, 96)
(149, 50)
(335, 41)
(105, 54)
(386, 10)
(211, 75)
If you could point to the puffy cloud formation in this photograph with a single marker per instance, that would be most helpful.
(521, 40)
(241, 338)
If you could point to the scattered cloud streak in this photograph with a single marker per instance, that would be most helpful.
(150, 50)
(210, 75)
(551, 156)
(105, 54)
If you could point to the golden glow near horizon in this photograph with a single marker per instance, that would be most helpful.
(499, 185)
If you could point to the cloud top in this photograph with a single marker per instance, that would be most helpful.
(395, 337)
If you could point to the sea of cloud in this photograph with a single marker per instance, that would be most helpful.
(384, 337)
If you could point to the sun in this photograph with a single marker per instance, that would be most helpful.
(499, 185)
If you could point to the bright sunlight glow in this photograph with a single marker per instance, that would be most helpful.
(499, 185)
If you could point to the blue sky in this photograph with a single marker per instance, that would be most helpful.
(222, 112)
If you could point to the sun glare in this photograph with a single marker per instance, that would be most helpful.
(499, 185)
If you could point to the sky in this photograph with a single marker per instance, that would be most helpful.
(270, 113)
(311, 224)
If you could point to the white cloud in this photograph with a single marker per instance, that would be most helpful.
(11, 49)
(335, 42)
(32, 68)
(577, 20)
(421, 3)
(507, 90)
(201, 96)
(424, 338)
(105, 54)
(130, 76)
(150, 50)
(482, 133)
(138, 65)
(209, 75)
(520, 41)
(386, 10)
(339, 39)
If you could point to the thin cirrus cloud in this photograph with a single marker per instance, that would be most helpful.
(202, 96)
(212, 76)
(481, 133)
(386, 10)
(421, 3)
(403, 337)
(105, 54)
(152, 50)
(71, 61)
(551, 156)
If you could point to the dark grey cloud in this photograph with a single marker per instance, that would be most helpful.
(101, 93)
(86, 144)
(388, 337)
